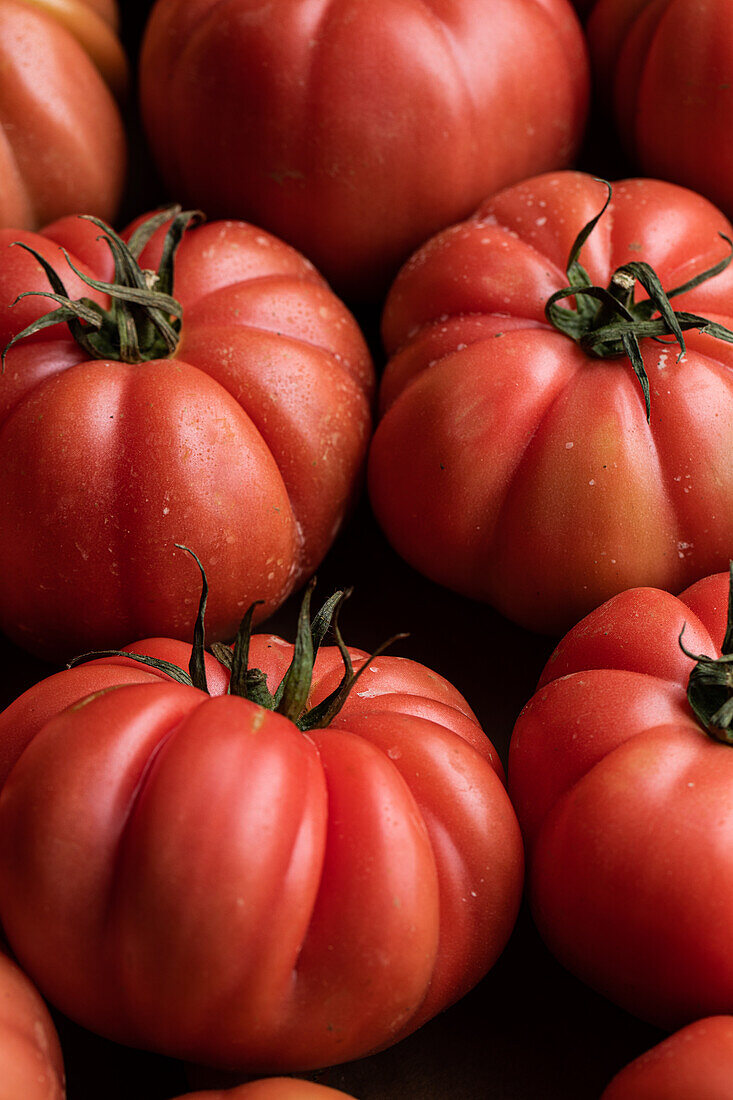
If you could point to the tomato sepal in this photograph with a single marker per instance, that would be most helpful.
(710, 687)
(143, 321)
(614, 327)
(290, 698)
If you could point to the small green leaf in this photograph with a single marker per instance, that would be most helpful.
(171, 670)
(615, 326)
(240, 656)
(292, 694)
(197, 664)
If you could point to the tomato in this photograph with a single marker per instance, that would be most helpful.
(270, 1088)
(246, 438)
(696, 1061)
(624, 794)
(664, 68)
(202, 876)
(20, 721)
(63, 145)
(30, 1055)
(354, 137)
(516, 467)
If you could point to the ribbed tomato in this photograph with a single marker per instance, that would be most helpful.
(234, 418)
(621, 771)
(518, 459)
(696, 1061)
(664, 68)
(256, 888)
(270, 1088)
(355, 134)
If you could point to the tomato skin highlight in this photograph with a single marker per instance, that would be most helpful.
(232, 891)
(624, 801)
(512, 466)
(310, 118)
(247, 444)
(695, 1061)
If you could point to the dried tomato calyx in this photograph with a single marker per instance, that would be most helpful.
(143, 320)
(608, 323)
(710, 687)
(290, 697)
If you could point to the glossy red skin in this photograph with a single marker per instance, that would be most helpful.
(694, 1062)
(31, 1066)
(247, 446)
(271, 1088)
(512, 467)
(664, 68)
(26, 715)
(62, 143)
(227, 889)
(625, 805)
(310, 118)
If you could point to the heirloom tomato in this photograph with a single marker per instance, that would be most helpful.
(31, 1066)
(270, 1088)
(520, 458)
(63, 144)
(665, 68)
(268, 879)
(356, 130)
(621, 772)
(696, 1063)
(233, 417)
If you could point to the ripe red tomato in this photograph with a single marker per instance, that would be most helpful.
(516, 467)
(247, 440)
(625, 800)
(694, 1062)
(202, 877)
(664, 67)
(270, 1088)
(355, 137)
(21, 721)
(63, 145)
(30, 1056)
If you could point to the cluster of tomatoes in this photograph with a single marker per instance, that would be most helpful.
(267, 858)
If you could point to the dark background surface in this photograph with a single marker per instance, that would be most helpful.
(529, 1030)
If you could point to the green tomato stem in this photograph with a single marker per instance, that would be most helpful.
(710, 687)
(608, 323)
(290, 698)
